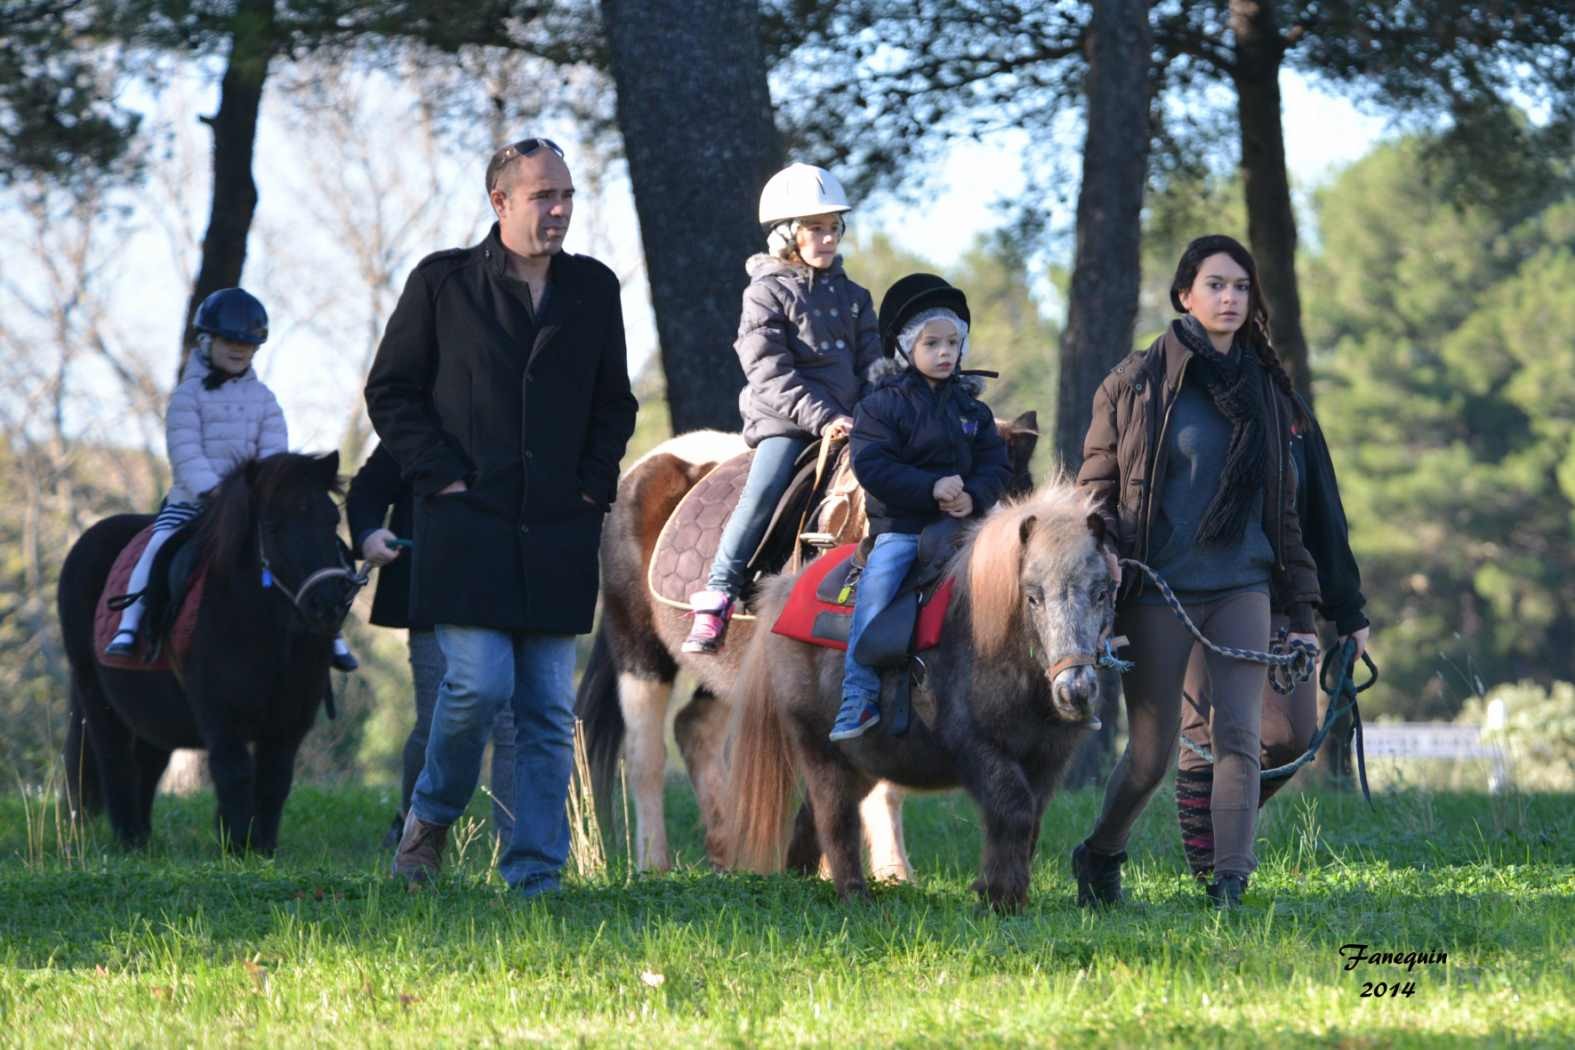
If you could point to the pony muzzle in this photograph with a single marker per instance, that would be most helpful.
(1074, 689)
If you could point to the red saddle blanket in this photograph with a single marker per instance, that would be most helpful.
(809, 617)
(106, 620)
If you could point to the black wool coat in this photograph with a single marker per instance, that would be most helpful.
(375, 489)
(1325, 532)
(531, 411)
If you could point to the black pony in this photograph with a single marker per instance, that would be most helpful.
(278, 587)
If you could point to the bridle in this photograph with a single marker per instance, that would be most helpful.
(343, 571)
(1105, 658)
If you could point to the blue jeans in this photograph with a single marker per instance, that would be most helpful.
(426, 674)
(769, 474)
(534, 674)
(888, 563)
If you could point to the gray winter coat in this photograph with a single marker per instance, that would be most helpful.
(806, 339)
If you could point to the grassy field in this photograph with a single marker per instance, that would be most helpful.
(317, 948)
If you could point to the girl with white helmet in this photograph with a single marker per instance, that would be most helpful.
(806, 338)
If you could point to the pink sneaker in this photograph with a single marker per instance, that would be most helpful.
(711, 610)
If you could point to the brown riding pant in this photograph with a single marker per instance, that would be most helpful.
(1289, 721)
(1161, 647)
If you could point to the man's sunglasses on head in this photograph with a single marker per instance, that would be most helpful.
(522, 148)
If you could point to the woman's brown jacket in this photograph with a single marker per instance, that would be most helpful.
(1123, 467)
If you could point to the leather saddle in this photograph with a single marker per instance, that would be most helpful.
(812, 511)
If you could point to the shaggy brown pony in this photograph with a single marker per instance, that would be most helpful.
(627, 686)
(1036, 592)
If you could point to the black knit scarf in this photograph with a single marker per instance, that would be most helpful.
(216, 376)
(1234, 382)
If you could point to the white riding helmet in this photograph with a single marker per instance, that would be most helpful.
(799, 190)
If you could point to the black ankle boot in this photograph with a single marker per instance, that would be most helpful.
(1226, 891)
(1098, 877)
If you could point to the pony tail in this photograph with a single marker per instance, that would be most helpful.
(760, 773)
(994, 590)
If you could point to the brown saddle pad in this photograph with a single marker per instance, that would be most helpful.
(107, 620)
(689, 540)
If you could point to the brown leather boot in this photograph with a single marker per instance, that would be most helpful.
(420, 853)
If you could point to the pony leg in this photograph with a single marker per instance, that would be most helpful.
(152, 760)
(834, 793)
(701, 730)
(275, 764)
(881, 812)
(119, 776)
(1008, 805)
(803, 855)
(83, 795)
(644, 704)
(234, 781)
(275, 772)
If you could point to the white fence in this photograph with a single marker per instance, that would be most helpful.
(1441, 740)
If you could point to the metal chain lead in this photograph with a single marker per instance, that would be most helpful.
(1288, 667)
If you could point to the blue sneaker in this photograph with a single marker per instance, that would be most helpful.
(855, 718)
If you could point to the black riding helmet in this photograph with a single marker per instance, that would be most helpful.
(913, 293)
(233, 313)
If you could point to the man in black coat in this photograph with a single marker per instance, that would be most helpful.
(502, 390)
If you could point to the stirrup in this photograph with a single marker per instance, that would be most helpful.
(124, 643)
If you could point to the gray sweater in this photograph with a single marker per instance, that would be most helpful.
(806, 338)
(1194, 452)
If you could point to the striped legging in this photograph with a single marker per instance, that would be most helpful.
(171, 517)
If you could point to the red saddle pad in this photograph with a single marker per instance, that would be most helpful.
(106, 620)
(797, 619)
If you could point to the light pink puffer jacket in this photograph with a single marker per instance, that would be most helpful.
(210, 432)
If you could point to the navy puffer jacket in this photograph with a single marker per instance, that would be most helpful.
(908, 435)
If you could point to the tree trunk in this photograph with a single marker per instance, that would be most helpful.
(1271, 221)
(701, 141)
(1104, 291)
(234, 138)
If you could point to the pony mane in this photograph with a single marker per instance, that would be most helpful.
(226, 527)
(988, 565)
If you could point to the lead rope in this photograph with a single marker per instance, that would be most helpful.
(1342, 698)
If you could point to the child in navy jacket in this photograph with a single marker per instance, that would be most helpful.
(924, 447)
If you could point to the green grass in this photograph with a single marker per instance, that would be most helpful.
(318, 949)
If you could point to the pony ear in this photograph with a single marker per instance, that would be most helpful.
(328, 468)
(1096, 525)
(1027, 423)
(1026, 528)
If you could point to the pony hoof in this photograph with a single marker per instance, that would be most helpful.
(1006, 900)
(856, 892)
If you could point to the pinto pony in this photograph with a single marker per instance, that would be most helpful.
(1006, 697)
(279, 584)
(627, 686)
